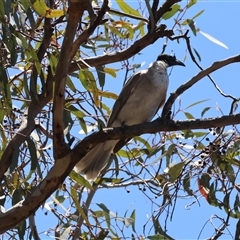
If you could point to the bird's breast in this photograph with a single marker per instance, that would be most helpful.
(144, 101)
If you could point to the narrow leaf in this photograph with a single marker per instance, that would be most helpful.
(101, 75)
(204, 111)
(172, 12)
(127, 9)
(214, 40)
(80, 180)
(189, 115)
(191, 3)
(174, 171)
(196, 103)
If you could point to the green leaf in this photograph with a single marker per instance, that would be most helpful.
(78, 113)
(169, 153)
(103, 207)
(159, 237)
(198, 14)
(133, 216)
(101, 75)
(21, 227)
(83, 125)
(227, 207)
(6, 88)
(189, 115)
(214, 40)
(191, 3)
(204, 111)
(80, 180)
(106, 212)
(2, 10)
(70, 84)
(79, 208)
(14, 159)
(127, 9)
(143, 141)
(174, 171)
(198, 55)
(237, 204)
(110, 71)
(33, 154)
(43, 10)
(196, 103)
(191, 24)
(83, 79)
(172, 12)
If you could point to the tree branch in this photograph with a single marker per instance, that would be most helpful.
(165, 8)
(63, 166)
(88, 32)
(215, 66)
(125, 54)
(75, 11)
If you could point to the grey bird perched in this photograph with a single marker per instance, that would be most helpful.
(138, 102)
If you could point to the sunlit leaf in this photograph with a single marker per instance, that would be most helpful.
(80, 180)
(108, 94)
(189, 115)
(127, 8)
(70, 84)
(43, 10)
(214, 40)
(198, 14)
(110, 71)
(174, 9)
(133, 216)
(191, 3)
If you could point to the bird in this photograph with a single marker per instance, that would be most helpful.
(138, 102)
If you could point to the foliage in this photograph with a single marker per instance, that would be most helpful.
(49, 48)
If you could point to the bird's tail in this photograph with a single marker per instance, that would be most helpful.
(95, 160)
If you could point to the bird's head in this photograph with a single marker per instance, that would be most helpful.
(170, 60)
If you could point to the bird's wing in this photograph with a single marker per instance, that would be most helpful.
(127, 90)
(160, 105)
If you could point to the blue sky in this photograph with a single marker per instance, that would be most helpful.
(221, 20)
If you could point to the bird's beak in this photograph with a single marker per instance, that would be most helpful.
(177, 62)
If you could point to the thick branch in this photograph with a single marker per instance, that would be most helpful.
(60, 147)
(215, 66)
(88, 32)
(63, 166)
(127, 53)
